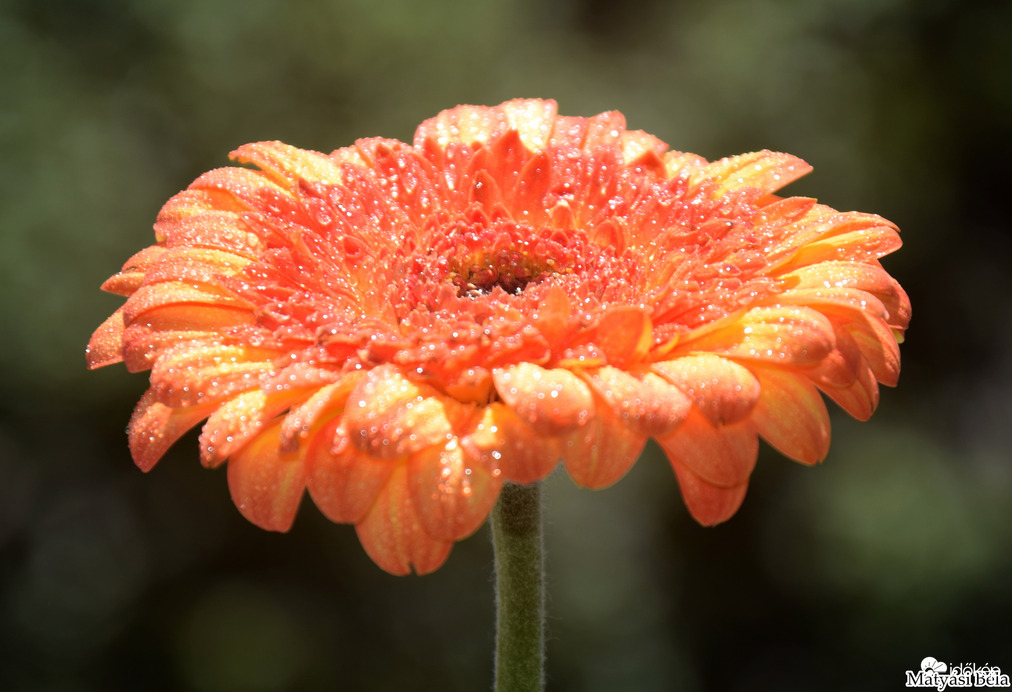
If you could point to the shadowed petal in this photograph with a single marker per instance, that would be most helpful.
(392, 534)
(601, 452)
(154, 427)
(266, 483)
(452, 492)
(343, 482)
(792, 416)
(723, 455)
(707, 503)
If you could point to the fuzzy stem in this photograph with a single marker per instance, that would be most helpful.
(520, 592)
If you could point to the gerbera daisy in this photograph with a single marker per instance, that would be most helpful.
(401, 328)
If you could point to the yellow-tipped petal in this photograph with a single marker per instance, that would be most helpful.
(550, 401)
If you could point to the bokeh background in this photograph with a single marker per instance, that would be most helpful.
(840, 577)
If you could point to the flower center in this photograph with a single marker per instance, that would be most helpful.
(481, 257)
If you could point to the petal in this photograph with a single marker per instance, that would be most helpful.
(191, 374)
(847, 379)
(879, 346)
(130, 277)
(723, 455)
(154, 427)
(791, 415)
(452, 492)
(287, 164)
(153, 296)
(465, 124)
(239, 420)
(197, 265)
(343, 482)
(722, 390)
(299, 422)
(767, 170)
(214, 230)
(266, 483)
(389, 416)
(787, 335)
(601, 452)
(164, 328)
(855, 246)
(532, 119)
(625, 334)
(707, 503)
(106, 345)
(863, 276)
(392, 534)
(643, 401)
(501, 440)
(550, 401)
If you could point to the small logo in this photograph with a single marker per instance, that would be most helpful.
(941, 676)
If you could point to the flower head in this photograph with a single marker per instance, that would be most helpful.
(399, 329)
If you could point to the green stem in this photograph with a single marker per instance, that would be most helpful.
(520, 591)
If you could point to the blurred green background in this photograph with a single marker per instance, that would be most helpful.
(840, 577)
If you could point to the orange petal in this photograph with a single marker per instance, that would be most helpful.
(707, 503)
(767, 170)
(846, 378)
(287, 164)
(130, 277)
(501, 440)
(153, 296)
(452, 492)
(552, 319)
(879, 346)
(343, 482)
(625, 334)
(550, 401)
(723, 455)
(392, 534)
(855, 246)
(266, 483)
(106, 345)
(161, 329)
(791, 415)
(192, 374)
(864, 276)
(389, 416)
(154, 427)
(245, 186)
(237, 421)
(213, 230)
(601, 452)
(198, 265)
(299, 422)
(788, 335)
(722, 390)
(644, 402)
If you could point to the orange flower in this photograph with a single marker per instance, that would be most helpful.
(399, 329)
